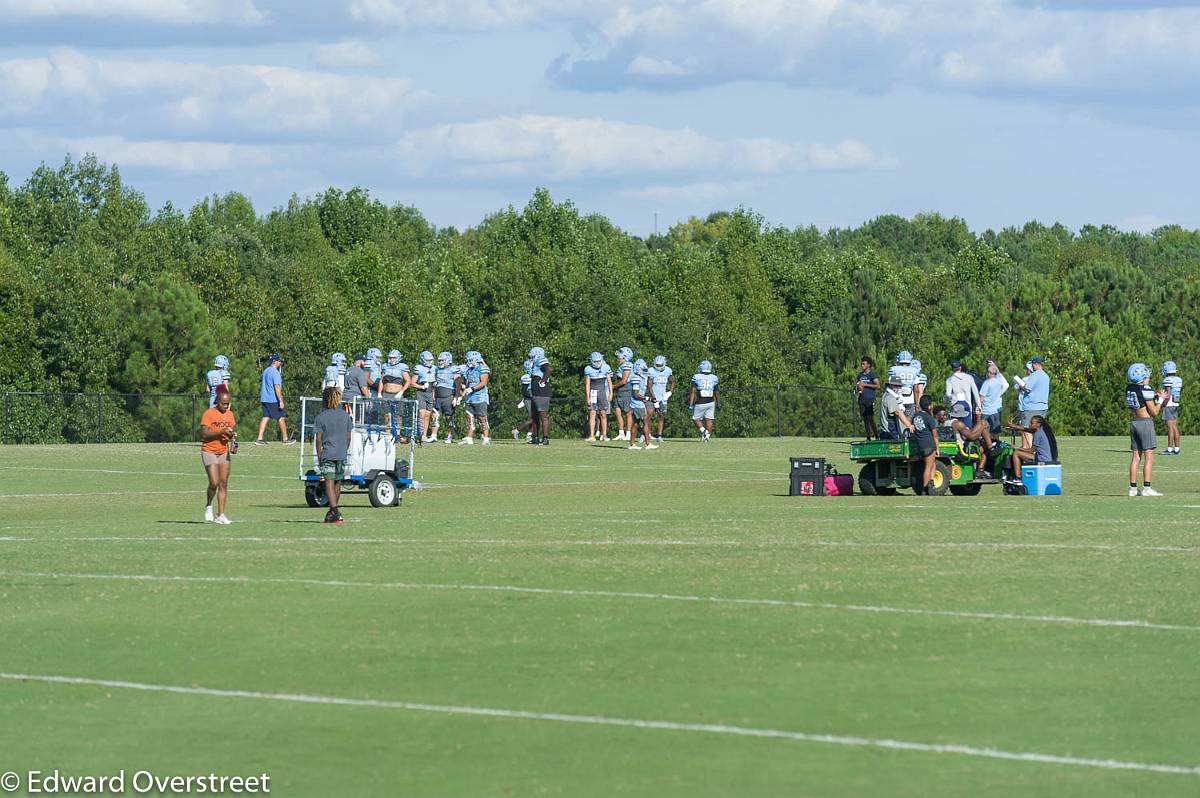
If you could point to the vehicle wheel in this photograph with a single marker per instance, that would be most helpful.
(315, 496)
(966, 490)
(866, 480)
(382, 491)
(941, 478)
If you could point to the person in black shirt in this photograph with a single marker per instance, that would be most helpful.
(923, 427)
(865, 386)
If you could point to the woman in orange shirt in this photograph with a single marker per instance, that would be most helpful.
(218, 440)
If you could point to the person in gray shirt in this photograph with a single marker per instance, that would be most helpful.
(332, 428)
(357, 382)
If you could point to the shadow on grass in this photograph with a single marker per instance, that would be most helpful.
(201, 523)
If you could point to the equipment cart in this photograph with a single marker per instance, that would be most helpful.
(382, 449)
(889, 465)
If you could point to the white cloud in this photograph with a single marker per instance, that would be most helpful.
(563, 147)
(173, 12)
(347, 53)
(645, 65)
(1145, 223)
(188, 98)
(701, 191)
(185, 157)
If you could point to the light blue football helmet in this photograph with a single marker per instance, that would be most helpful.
(337, 359)
(705, 367)
(445, 359)
(1138, 372)
(221, 362)
(904, 358)
(1169, 367)
(596, 358)
(536, 352)
(660, 361)
(427, 358)
(394, 354)
(374, 353)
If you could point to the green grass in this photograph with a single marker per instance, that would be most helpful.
(688, 520)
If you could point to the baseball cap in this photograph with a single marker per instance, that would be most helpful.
(359, 356)
(1035, 359)
(955, 363)
(272, 358)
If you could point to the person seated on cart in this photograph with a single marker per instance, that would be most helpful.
(1044, 449)
(891, 408)
(966, 436)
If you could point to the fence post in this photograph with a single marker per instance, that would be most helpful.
(778, 411)
(7, 416)
(193, 418)
(100, 418)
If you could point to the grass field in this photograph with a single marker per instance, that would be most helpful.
(586, 621)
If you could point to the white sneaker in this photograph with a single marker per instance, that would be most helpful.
(487, 441)
(651, 446)
(516, 434)
(658, 438)
(208, 513)
(634, 446)
(449, 439)
(1149, 491)
(1135, 491)
(466, 442)
(605, 438)
(528, 437)
(222, 519)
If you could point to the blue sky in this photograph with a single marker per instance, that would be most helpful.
(826, 112)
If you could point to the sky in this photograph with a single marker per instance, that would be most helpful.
(822, 112)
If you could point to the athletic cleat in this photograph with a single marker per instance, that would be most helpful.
(545, 442)
(467, 442)
(486, 441)
(1149, 491)
(1135, 492)
(516, 434)
(222, 519)
(288, 442)
(449, 439)
(528, 437)
(260, 442)
(634, 446)
(208, 514)
(658, 438)
(532, 441)
(651, 446)
(982, 474)
(331, 516)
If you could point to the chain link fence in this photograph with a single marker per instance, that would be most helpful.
(744, 411)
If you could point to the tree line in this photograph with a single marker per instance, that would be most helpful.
(101, 294)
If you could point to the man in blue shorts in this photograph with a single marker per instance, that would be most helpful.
(271, 396)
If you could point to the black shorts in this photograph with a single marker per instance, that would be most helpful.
(924, 452)
(272, 410)
(866, 409)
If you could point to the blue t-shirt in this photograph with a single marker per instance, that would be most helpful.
(991, 395)
(425, 375)
(706, 388)
(472, 377)
(637, 385)
(660, 379)
(270, 378)
(868, 394)
(1038, 385)
(214, 378)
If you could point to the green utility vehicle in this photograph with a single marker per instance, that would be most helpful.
(890, 465)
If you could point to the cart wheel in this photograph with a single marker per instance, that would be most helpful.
(866, 480)
(382, 491)
(966, 490)
(315, 495)
(941, 479)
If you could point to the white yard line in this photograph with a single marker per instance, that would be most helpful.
(614, 594)
(631, 723)
(611, 542)
(131, 493)
(138, 473)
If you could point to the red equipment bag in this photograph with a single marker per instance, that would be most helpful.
(839, 485)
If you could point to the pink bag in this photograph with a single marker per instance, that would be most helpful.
(839, 485)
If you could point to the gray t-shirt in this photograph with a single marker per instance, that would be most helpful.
(356, 379)
(334, 427)
(1041, 445)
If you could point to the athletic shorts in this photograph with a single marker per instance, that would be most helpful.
(332, 469)
(639, 413)
(477, 409)
(1027, 416)
(624, 400)
(1141, 435)
(444, 405)
(541, 404)
(598, 400)
(994, 423)
(705, 412)
(425, 400)
(272, 410)
(1170, 413)
(661, 407)
(210, 459)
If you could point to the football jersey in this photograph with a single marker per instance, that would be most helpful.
(393, 372)
(1138, 396)
(660, 379)
(596, 376)
(444, 376)
(622, 370)
(424, 375)
(472, 376)
(1174, 384)
(214, 378)
(637, 386)
(538, 384)
(706, 388)
(335, 377)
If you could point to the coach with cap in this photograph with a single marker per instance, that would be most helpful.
(271, 397)
(1034, 396)
(358, 383)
